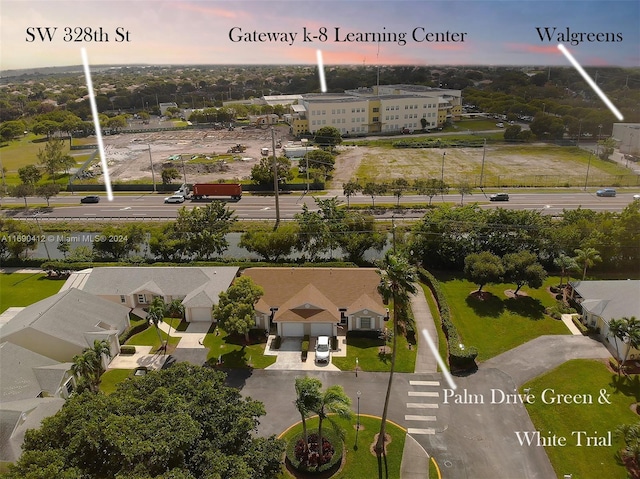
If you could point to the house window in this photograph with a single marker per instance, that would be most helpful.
(69, 387)
(365, 323)
(123, 299)
(142, 299)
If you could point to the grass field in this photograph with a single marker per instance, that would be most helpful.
(234, 353)
(359, 461)
(18, 289)
(110, 379)
(584, 377)
(497, 323)
(529, 165)
(367, 351)
(24, 151)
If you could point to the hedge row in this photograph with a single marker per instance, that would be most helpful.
(460, 358)
(138, 328)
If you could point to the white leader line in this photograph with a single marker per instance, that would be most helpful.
(591, 83)
(441, 363)
(323, 81)
(96, 124)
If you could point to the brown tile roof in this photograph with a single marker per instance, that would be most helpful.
(323, 289)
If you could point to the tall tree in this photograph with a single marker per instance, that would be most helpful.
(204, 230)
(483, 268)
(271, 245)
(464, 189)
(586, 258)
(48, 191)
(29, 174)
(565, 263)
(180, 422)
(398, 187)
(626, 330)
(397, 283)
(332, 401)
(308, 397)
(350, 189)
(328, 136)
(523, 268)
(155, 314)
(235, 311)
(53, 158)
(262, 173)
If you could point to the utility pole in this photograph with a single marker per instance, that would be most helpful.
(275, 176)
(484, 151)
(153, 176)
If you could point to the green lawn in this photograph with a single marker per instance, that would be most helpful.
(19, 289)
(496, 324)
(110, 379)
(149, 337)
(584, 377)
(234, 353)
(360, 463)
(367, 350)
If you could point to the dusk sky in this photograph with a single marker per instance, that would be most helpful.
(197, 32)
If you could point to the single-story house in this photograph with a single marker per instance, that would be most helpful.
(33, 387)
(602, 301)
(63, 325)
(198, 288)
(318, 301)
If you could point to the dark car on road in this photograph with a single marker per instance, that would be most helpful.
(90, 199)
(606, 192)
(499, 197)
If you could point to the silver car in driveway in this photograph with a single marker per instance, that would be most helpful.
(323, 350)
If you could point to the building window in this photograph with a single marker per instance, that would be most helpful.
(142, 299)
(123, 299)
(365, 323)
(375, 118)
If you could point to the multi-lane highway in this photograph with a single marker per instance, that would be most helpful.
(151, 206)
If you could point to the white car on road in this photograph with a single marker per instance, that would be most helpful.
(174, 199)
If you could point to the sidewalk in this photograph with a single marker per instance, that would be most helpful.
(425, 325)
(415, 460)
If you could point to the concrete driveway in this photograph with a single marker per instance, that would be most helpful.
(289, 357)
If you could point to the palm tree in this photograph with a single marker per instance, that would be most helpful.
(333, 400)
(626, 330)
(586, 258)
(83, 369)
(175, 310)
(397, 284)
(100, 349)
(565, 263)
(630, 434)
(307, 400)
(155, 314)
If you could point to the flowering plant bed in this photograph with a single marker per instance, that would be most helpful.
(315, 458)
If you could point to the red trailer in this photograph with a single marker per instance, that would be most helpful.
(200, 190)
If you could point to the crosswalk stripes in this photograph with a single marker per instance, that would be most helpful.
(422, 421)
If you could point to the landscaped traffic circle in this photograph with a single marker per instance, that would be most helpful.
(311, 457)
(353, 457)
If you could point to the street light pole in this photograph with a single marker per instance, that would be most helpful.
(306, 141)
(484, 151)
(275, 176)
(587, 178)
(444, 153)
(357, 421)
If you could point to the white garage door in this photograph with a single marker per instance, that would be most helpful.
(200, 314)
(321, 329)
(293, 329)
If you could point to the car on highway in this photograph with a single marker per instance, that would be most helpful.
(174, 199)
(323, 351)
(499, 197)
(90, 199)
(636, 197)
(606, 192)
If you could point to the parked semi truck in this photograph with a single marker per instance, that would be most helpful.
(202, 190)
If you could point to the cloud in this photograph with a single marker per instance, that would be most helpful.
(528, 48)
(217, 12)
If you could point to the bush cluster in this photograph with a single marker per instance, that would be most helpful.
(124, 337)
(277, 341)
(310, 461)
(556, 311)
(127, 349)
(459, 358)
(305, 347)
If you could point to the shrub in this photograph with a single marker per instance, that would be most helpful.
(305, 348)
(277, 341)
(332, 448)
(460, 356)
(124, 337)
(127, 349)
(334, 343)
(556, 311)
